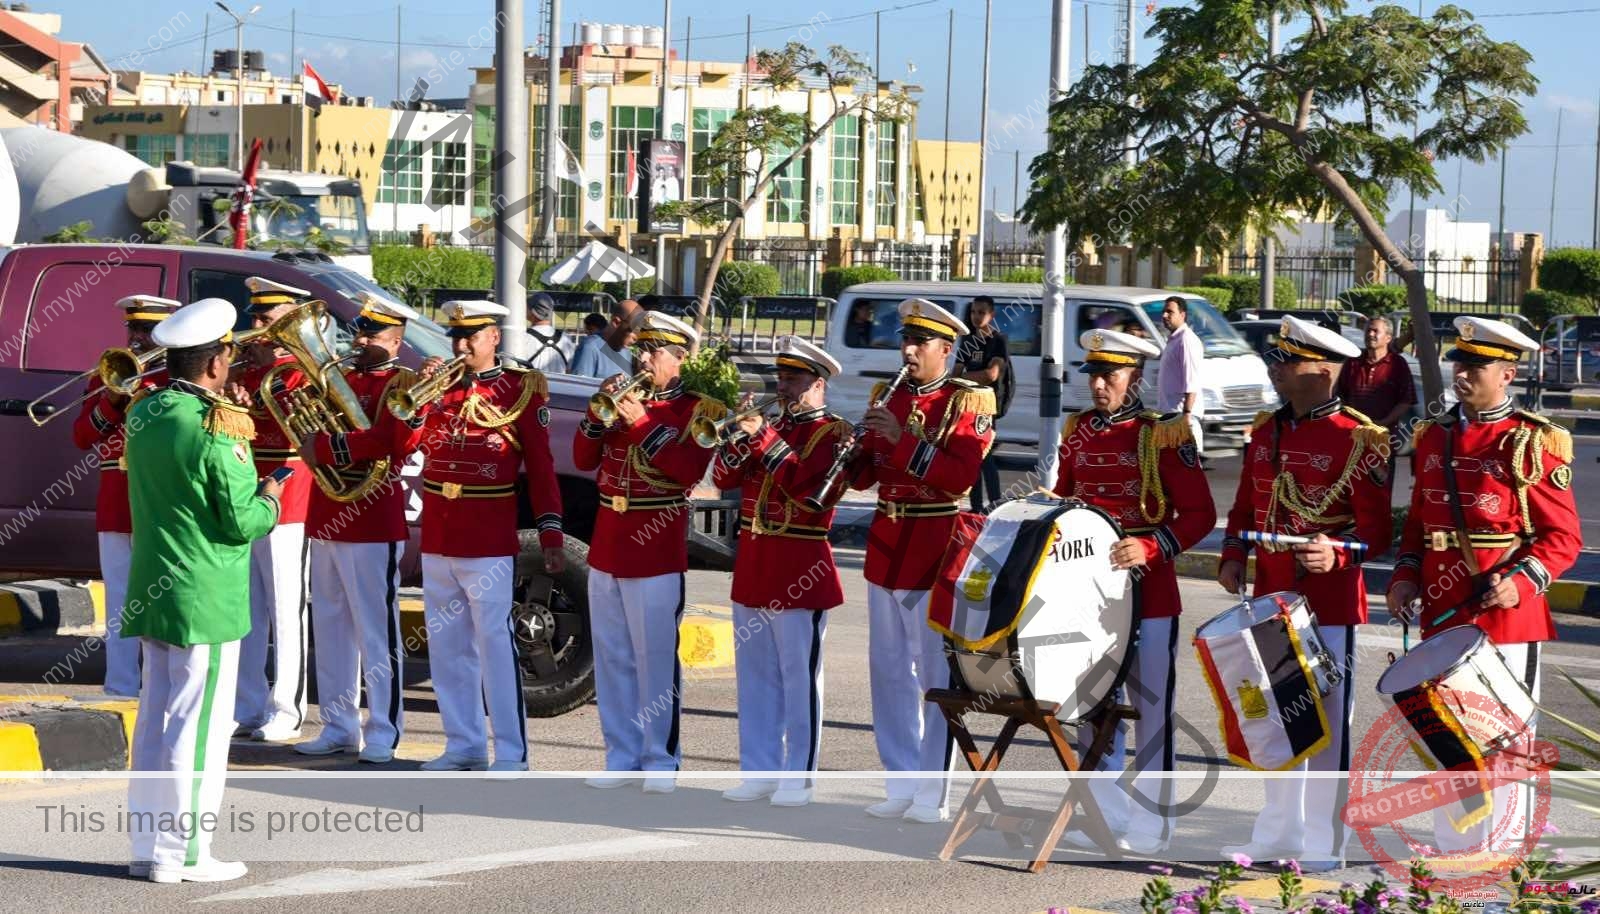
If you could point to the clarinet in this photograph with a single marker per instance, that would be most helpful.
(847, 451)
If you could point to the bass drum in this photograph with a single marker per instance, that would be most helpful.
(1031, 608)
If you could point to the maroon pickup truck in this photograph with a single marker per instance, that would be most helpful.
(57, 316)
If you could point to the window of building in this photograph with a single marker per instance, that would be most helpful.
(786, 198)
(156, 149)
(222, 95)
(846, 158)
(707, 121)
(629, 126)
(888, 196)
(449, 187)
(483, 117)
(206, 149)
(401, 179)
(572, 135)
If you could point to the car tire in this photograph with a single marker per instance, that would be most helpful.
(550, 616)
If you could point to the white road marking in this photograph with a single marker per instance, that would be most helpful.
(424, 875)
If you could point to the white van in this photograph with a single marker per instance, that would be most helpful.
(867, 345)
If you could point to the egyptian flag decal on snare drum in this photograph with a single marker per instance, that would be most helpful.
(1271, 721)
(1445, 744)
(988, 571)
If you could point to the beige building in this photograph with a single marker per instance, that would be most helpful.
(44, 80)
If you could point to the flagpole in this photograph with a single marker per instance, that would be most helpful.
(299, 108)
(552, 128)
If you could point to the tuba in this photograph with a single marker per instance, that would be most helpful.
(325, 404)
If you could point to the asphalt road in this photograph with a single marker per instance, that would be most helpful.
(555, 845)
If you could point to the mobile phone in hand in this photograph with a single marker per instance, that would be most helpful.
(281, 474)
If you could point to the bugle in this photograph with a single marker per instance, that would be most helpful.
(604, 405)
(120, 370)
(825, 493)
(406, 402)
(708, 433)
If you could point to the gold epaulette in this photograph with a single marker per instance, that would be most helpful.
(1553, 438)
(1368, 434)
(140, 394)
(838, 428)
(533, 379)
(1072, 423)
(400, 380)
(704, 408)
(1262, 418)
(230, 421)
(1171, 431)
(975, 398)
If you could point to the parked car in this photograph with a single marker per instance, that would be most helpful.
(1569, 352)
(56, 317)
(1234, 378)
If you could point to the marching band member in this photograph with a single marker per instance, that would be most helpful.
(647, 463)
(1314, 468)
(355, 561)
(272, 695)
(99, 426)
(474, 439)
(923, 450)
(1143, 469)
(782, 617)
(1500, 478)
(196, 507)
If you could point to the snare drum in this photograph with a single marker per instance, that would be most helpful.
(1460, 697)
(1031, 608)
(1268, 673)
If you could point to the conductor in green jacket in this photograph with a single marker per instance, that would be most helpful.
(196, 506)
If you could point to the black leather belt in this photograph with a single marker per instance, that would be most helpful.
(896, 509)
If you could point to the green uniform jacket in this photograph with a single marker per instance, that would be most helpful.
(192, 489)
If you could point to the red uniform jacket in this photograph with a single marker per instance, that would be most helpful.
(645, 471)
(380, 517)
(1143, 470)
(1325, 472)
(98, 427)
(1514, 477)
(784, 560)
(469, 470)
(949, 427)
(271, 444)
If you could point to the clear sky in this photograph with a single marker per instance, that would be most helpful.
(353, 44)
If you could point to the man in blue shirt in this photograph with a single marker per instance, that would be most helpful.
(601, 355)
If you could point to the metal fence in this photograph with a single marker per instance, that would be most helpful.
(912, 262)
(1463, 284)
(1002, 260)
(799, 262)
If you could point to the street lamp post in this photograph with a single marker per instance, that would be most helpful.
(238, 42)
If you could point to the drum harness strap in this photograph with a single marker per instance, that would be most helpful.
(1458, 519)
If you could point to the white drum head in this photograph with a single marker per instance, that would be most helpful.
(1249, 613)
(1433, 659)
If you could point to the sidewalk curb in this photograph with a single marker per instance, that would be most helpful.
(46, 735)
(1579, 425)
(47, 607)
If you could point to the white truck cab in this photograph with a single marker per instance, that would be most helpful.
(864, 335)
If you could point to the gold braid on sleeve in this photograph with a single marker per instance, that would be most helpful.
(1527, 467)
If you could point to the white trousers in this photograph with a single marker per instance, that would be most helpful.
(472, 655)
(184, 728)
(122, 654)
(638, 680)
(778, 663)
(1308, 813)
(272, 682)
(355, 612)
(1143, 807)
(1507, 827)
(906, 659)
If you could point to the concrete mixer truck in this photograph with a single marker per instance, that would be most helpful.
(57, 180)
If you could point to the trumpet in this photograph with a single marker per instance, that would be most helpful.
(708, 433)
(604, 405)
(847, 451)
(404, 404)
(120, 370)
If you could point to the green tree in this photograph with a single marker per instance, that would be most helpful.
(76, 233)
(1228, 136)
(758, 143)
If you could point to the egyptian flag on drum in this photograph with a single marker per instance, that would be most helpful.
(1446, 744)
(1271, 711)
(988, 571)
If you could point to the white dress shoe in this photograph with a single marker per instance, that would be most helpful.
(660, 784)
(376, 755)
(1144, 845)
(611, 781)
(139, 869)
(1261, 854)
(277, 730)
(448, 762)
(792, 796)
(889, 809)
(325, 744)
(244, 728)
(750, 790)
(204, 871)
(927, 815)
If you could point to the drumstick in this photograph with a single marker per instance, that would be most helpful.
(1284, 539)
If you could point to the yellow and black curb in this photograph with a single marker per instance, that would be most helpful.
(49, 607)
(56, 733)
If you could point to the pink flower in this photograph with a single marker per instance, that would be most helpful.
(1242, 860)
(1163, 870)
(1550, 829)
(1290, 864)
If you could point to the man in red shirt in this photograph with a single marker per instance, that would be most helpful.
(1378, 385)
(355, 559)
(99, 427)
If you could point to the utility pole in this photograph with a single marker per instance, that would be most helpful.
(661, 133)
(1594, 212)
(877, 47)
(1500, 222)
(1053, 320)
(1269, 242)
(1016, 185)
(1555, 168)
(552, 127)
(238, 43)
(949, 66)
(299, 110)
(983, 138)
(1129, 156)
(205, 43)
(511, 176)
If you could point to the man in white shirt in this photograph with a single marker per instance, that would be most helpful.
(1179, 387)
(552, 347)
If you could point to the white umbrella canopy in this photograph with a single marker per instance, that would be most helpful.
(600, 262)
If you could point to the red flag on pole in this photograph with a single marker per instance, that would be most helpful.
(312, 80)
(630, 181)
(239, 213)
